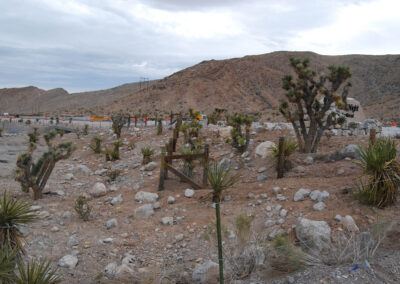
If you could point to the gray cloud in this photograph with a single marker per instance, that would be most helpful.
(86, 45)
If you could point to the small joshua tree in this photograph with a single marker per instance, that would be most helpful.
(289, 147)
(215, 116)
(147, 153)
(220, 179)
(314, 99)
(189, 162)
(159, 126)
(240, 140)
(85, 130)
(34, 175)
(113, 155)
(96, 144)
(82, 207)
(118, 121)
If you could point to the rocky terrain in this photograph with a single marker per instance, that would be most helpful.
(137, 234)
(250, 84)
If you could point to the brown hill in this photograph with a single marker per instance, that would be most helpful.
(250, 84)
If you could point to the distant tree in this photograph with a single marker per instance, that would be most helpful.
(315, 100)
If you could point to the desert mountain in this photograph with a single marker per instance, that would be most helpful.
(249, 84)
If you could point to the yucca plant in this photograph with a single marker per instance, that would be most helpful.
(13, 213)
(113, 155)
(8, 261)
(288, 147)
(220, 179)
(36, 272)
(96, 144)
(379, 163)
(147, 152)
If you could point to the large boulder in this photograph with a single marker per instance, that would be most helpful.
(315, 236)
(149, 197)
(263, 149)
(351, 151)
(98, 190)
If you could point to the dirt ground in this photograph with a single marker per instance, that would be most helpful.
(157, 248)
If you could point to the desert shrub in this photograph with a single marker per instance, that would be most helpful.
(82, 207)
(379, 164)
(95, 144)
(1, 132)
(289, 147)
(131, 145)
(20, 120)
(28, 122)
(189, 164)
(113, 155)
(61, 133)
(240, 140)
(286, 256)
(147, 153)
(57, 120)
(243, 228)
(113, 174)
(13, 213)
(85, 130)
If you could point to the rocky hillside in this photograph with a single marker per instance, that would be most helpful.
(250, 84)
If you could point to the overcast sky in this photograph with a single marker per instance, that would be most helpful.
(95, 44)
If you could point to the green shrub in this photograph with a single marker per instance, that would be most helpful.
(379, 164)
(113, 155)
(147, 153)
(287, 257)
(113, 174)
(85, 130)
(240, 140)
(288, 147)
(28, 122)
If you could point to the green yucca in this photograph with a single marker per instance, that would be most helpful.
(220, 179)
(147, 152)
(8, 262)
(13, 212)
(379, 163)
(95, 145)
(36, 272)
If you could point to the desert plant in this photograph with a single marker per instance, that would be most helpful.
(57, 120)
(304, 101)
(287, 257)
(8, 262)
(379, 163)
(113, 174)
(289, 146)
(240, 140)
(85, 130)
(147, 153)
(70, 120)
(20, 120)
(34, 175)
(82, 207)
(243, 228)
(95, 145)
(28, 122)
(220, 179)
(185, 130)
(60, 132)
(215, 116)
(113, 155)
(118, 121)
(36, 272)
(51, 120)
(189, 162)
(1, 132)
(14, 213)
(159, 127)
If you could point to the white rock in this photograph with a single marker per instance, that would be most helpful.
(179, 237)
(324, 195)
(167, 220)
(150, 166)
(98, 190)
(316, 235)
(263, 149)
(338, 218)
(156, 205)
(319, 206)
(269, 223)
(111, 268)
(69, 177)
(144, 211)
(143, 196)
(283, 213)
(277, 190)
(171, 200)
(116, 200)
(301, 194)
(309, 160)
(112, 223)
(206, 273)
(189, 193)
(315, 194)
(73, 241)
(349, 224)
(68, 261)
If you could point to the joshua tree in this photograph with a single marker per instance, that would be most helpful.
(215, 116)
(34, 175)
(96, 144)
(315, 99)
(240, 140)
(118, 121)
(220, 179)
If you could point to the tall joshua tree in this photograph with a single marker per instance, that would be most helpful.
(34, 175)
(316, 99)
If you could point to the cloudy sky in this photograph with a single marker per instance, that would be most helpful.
(94, 44)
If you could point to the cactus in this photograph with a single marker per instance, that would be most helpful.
(240, 140)
(34, 175)
(310, 98)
